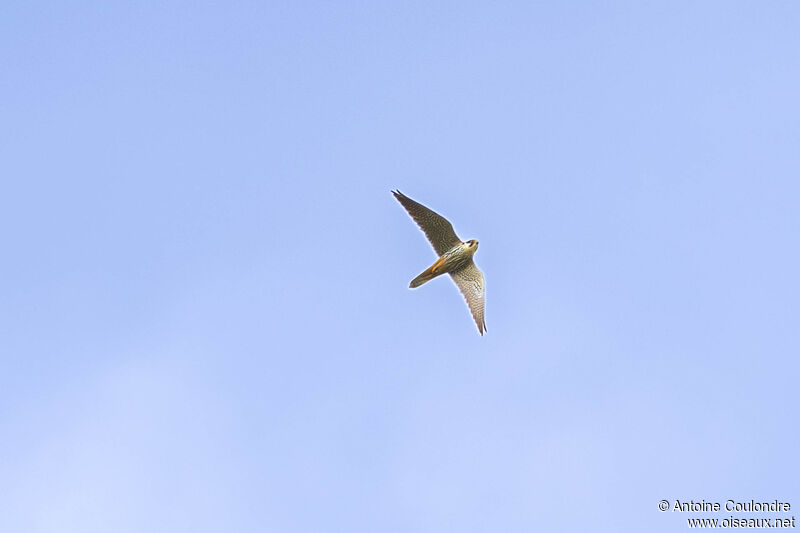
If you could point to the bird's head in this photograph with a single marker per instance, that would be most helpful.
(472, 245)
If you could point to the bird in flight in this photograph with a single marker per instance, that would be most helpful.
(455, 257)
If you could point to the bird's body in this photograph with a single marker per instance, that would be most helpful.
(452, 260)
(455, 257)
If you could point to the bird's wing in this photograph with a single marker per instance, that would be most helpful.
(470, 282)
(438, 230)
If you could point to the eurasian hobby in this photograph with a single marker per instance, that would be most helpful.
(455, 257)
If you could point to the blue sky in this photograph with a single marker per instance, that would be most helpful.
(207, 324)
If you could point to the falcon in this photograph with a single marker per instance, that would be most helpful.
(455, 257)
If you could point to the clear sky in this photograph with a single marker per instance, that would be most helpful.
(206, 323)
